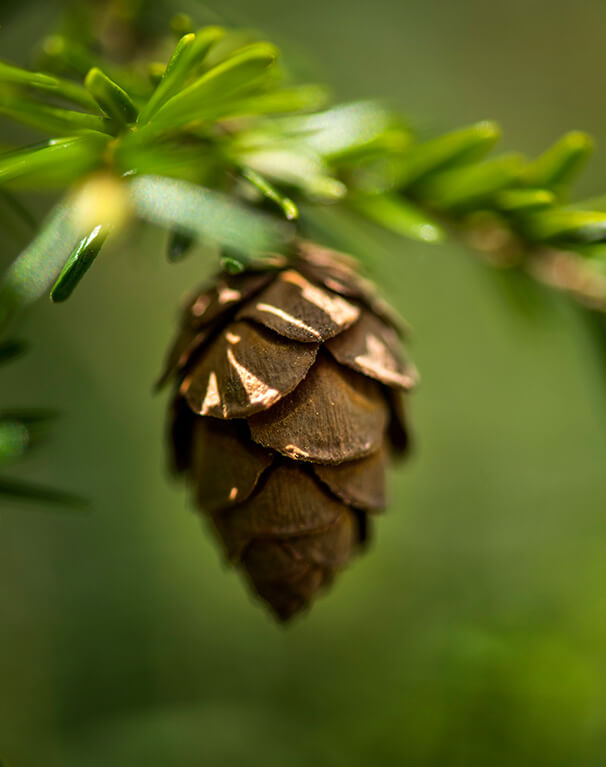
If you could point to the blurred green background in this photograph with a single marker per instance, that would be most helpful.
(474, 631)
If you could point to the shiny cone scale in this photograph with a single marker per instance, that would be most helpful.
(288, 406)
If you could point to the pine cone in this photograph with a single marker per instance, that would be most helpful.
(288, 405)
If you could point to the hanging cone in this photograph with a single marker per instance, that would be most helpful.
(288, 406)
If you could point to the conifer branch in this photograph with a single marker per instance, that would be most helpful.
(218, 143)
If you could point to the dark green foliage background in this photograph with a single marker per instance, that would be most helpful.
(474, 632)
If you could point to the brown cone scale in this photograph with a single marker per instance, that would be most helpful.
(287, 409)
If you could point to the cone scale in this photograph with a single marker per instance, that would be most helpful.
(287, 408)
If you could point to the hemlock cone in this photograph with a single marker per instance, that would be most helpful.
(287, 407)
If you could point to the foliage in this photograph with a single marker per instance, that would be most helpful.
(20, 431)
(217, 143)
